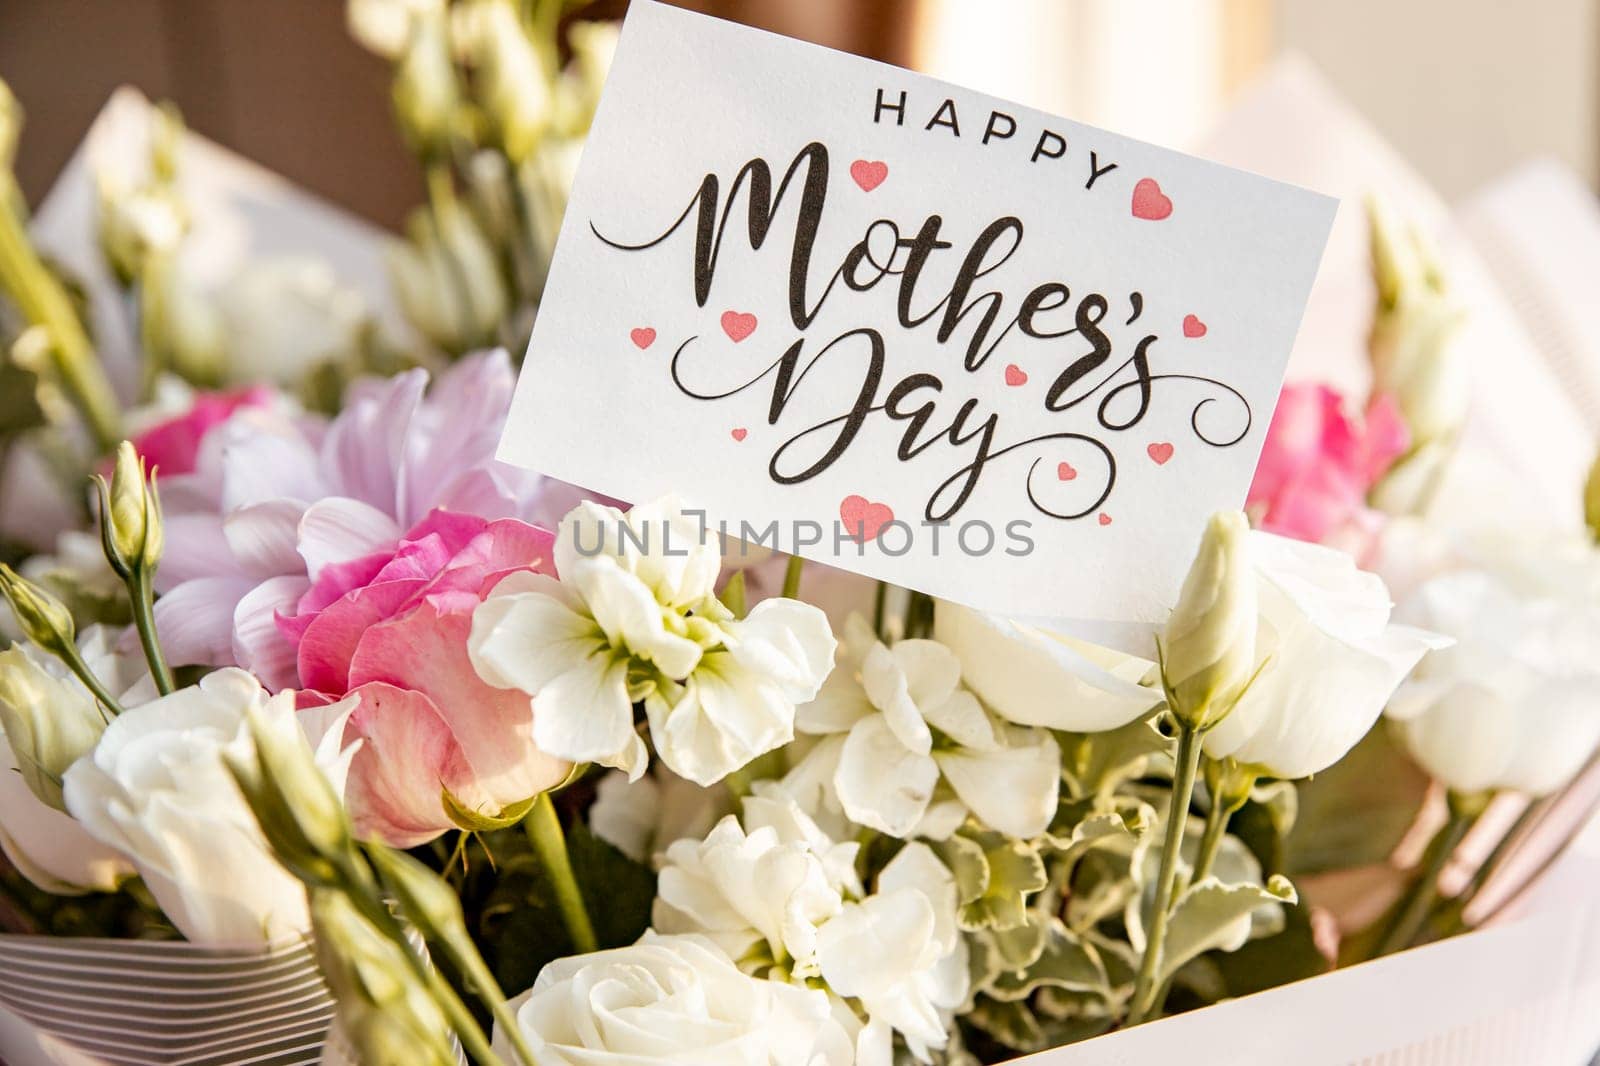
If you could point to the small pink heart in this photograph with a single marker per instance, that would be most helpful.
(1193, 327)
(1160, 451)
(738, 325)
(1065, 471)
(741, 433)
(863, 519)
(1149, 202)
(643, 337)
(1105, 519)
(869, 173)
(1015, 375)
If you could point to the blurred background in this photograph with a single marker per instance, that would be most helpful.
(1465, 87)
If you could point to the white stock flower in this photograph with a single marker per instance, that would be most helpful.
(634, 618)
(48, 720)
(900, 954)
(1327, 660)
(783, 900)
(157, 788)
(910, 752)
(1515, 704)
(674, 999)
(640, 818)
(1032, 676)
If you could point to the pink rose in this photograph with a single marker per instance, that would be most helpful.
(391, 628)
(1318, 465)
(174, 445)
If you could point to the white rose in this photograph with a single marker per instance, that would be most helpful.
(674, 999)
(157, 789)
(1327, 660)
(1035, 677)
(47, 720)
(882, 765)
(1515, 704)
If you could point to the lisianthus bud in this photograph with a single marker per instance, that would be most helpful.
(42, 618)
(427, 899)
(448, 278)
(130, 515)
(49, 722)
(516, 86)
(386, 1011)
(1591, 499)
(136, 224)
(1209, 650)
(1415, 357)
(426, 95)
(10, 125)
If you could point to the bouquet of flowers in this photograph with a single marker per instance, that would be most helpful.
(541, 779)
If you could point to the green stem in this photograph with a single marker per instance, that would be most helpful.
(43, 301)
(1412, 909)
(879, 602)
(1146, 986)
(543, 827)
(791, 577)
(1211, 841)
(80, 669)
(143, 598)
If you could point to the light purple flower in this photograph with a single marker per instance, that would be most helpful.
(275, 497)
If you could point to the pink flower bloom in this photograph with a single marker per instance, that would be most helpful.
(1318, 465)
(174, 444)
(274, 498)
(391, 628)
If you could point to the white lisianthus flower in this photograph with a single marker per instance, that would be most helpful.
(1209, 647)
(158, 789)
(909, 751)
(1327, 660)
(1515, 704)
(48, 720)
(287, 316)
(634, 618)
(674, 999)
(900, 955)
(1032, 676)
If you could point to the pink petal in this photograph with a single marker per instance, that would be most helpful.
(427, 650)
(195, 620)
(407, 756)
(258, 644)
(456, 430)
(263, 458)
(338, 528)
(1387, 437)
(262, 537)
(365, 443)
(328, 642)
(196, 547)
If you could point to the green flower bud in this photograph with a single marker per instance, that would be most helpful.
(1209, 650)
(49, 722)
(386, 1011)
(515, 85)
(426, 95)
(10, 126)
(42, 618)
(130, 515)
(428, 900)
(1591, 499)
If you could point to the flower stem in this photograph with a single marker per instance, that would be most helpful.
(1412, 910)
(1211, 842)
(143, 599)
(1147, 985)
(110, 708)
(791, 577)
(543, 827)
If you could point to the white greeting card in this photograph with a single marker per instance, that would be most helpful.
(907, 329)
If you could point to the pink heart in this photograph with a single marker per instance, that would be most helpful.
(869, 174)
(862, 518)
(1161, 451)
(643, 337)
(1149, 202)
(1015, 375)
(738, 325)
(740, 433)
(1065, 471)
(1105, 519)
(1193, 327)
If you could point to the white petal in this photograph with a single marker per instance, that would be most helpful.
(258, 645)
(195, 620)
(1012, 790)
(584, 715)
(880, 782)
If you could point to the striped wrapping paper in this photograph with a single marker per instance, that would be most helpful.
(147, 1003)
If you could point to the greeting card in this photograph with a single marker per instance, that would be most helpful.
(908, 329)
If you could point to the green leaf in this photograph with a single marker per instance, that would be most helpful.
(1355, 812)
(476, 822)
(1212, 916)
(1291, 955)
(1015, 871)
(1067, 961)
(1095, 764)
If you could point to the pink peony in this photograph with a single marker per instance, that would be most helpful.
(274, 498)
(391, 628)
(1318, 465)
(174, 444)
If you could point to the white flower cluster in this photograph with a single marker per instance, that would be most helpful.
(635, 618)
